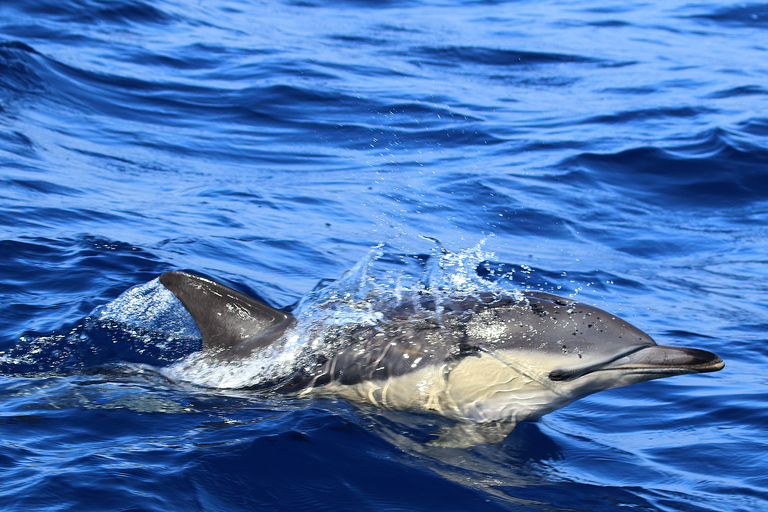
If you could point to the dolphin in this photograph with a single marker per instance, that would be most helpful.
(487, 362)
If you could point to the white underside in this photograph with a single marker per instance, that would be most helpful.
(476, 389)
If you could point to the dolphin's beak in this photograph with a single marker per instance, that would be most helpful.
(667, 360)
(662, 360)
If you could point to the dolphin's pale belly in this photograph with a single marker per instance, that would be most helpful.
(477, 389)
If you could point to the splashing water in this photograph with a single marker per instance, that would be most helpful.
(377, 285)
(150, 306)
(148, 325)
(145, 325)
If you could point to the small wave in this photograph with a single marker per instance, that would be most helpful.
(94, 11)
(40, 187)
(735, 92)
(749, 15)
(419, 114)
(634, 116)
(756, 126)
(18, 144)
(456, 55)
(18, 69)
(713, 170)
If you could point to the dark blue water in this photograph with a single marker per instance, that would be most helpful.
(614, 152)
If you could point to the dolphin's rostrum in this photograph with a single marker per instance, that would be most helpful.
(488, 361)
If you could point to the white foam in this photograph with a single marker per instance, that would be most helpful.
(150, 306)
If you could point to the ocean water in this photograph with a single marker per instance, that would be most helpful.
(616, 153)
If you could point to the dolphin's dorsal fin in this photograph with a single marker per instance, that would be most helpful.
(226, 318)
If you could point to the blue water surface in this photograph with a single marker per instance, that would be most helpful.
(615, 152)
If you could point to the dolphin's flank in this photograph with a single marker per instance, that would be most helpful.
(488, 361)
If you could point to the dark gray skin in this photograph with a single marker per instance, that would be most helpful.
(479, 361)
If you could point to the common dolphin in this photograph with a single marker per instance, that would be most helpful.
(487, 361)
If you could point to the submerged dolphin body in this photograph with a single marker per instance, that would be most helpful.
(488, 361)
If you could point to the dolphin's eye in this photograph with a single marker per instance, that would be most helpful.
(561, 374)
